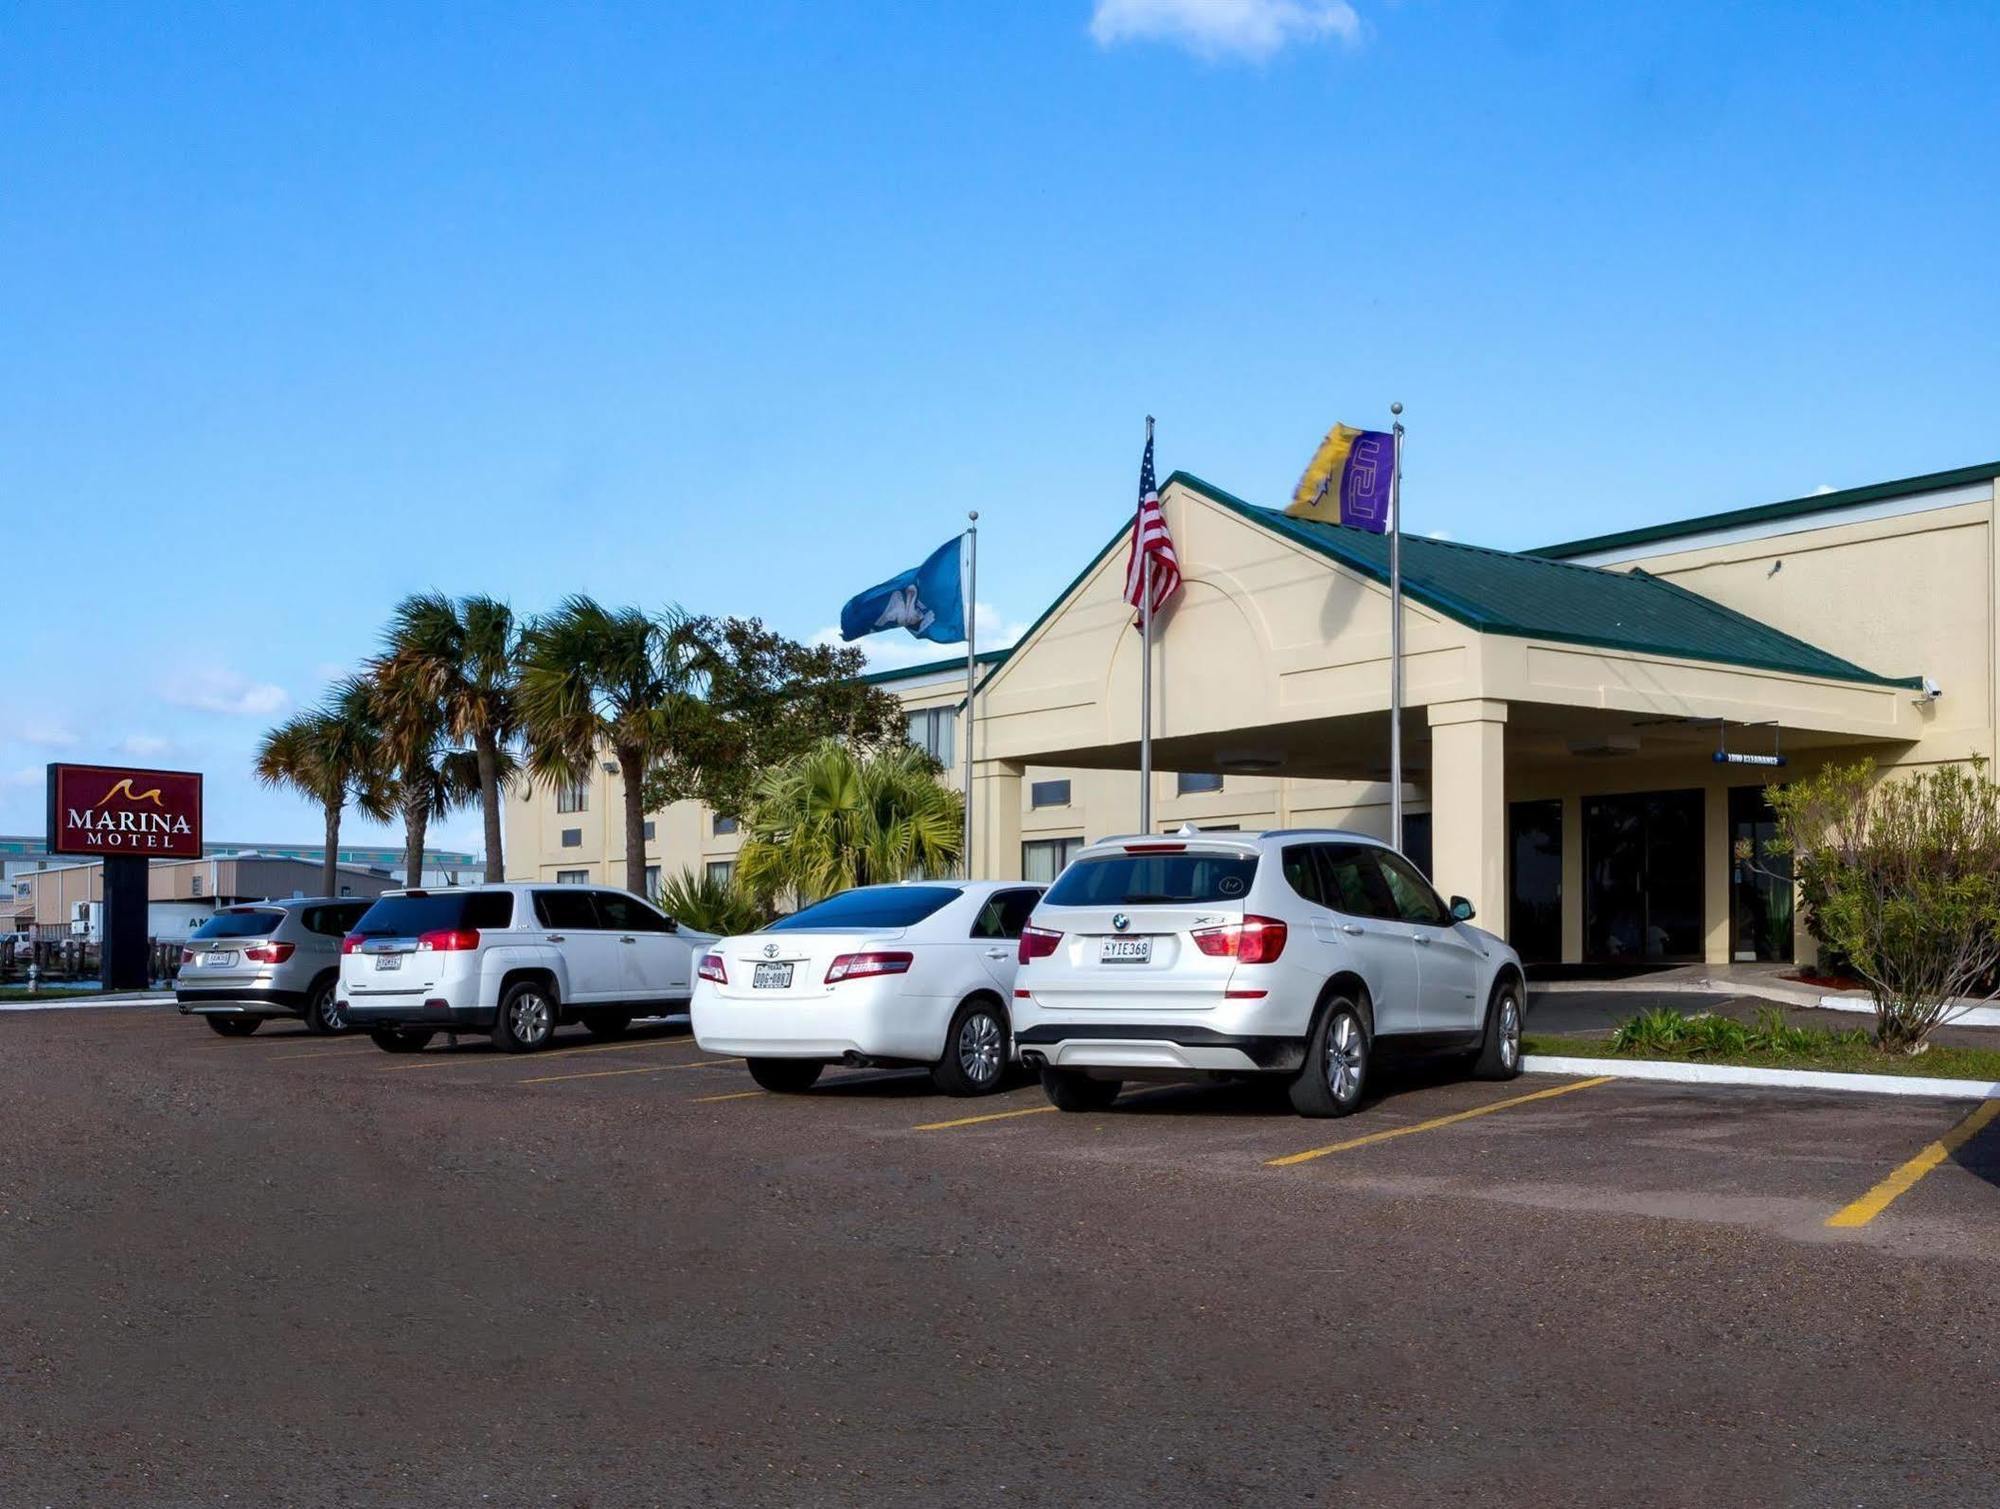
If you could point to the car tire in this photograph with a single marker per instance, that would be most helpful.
(234, 1026)
(1072, 1090)
(401, 1039)
(321, 1018)
(784, 1076)
(606, 1025)
(1500, 1053)
(1338, 1053)
(975, 1050)
(526, 1020)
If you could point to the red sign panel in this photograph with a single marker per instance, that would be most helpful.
(101, 810)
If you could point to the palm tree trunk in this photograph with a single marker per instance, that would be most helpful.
(487, 750)
(329, 867)
(632, 770)
(416, 825)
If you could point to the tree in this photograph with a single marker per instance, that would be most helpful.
(594, 679)
(830, 819)
(431, 778)
(711, 906)
(1901, 875)
(332, 754)
(767, 699)
(461, 656)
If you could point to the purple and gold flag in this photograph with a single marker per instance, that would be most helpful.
(1350, 480)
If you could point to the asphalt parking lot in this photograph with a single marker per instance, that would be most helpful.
(287, 1269)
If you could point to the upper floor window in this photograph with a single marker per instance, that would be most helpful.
(1048, 794)
(572, 838)
(933, 730)
(648, 835)
(722, 825)
(1194, 783)
(574, 797)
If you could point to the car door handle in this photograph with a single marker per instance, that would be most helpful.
(1420, 940)
(556, 938)
(628, 940)
(1000, 953)
(1352, 927)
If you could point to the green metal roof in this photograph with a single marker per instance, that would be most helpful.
(931, 668)
(1532, 597)
(1769, 513)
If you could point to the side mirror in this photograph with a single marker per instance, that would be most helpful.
(673, 924)
(1461, 909)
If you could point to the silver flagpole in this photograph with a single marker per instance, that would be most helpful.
(971, 669)
(1145, 668)
(1396, 636)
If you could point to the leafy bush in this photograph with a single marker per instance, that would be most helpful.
(710, 906)
(1902, 876)
(1664, 1031)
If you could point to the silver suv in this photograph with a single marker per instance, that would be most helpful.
(247, 964)
(1297, 954)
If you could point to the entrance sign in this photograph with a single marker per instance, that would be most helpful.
(105, 811)
(1731, 757)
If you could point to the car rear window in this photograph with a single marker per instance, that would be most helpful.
(873, 906)
(1154, 879)
(409, 916)
(240, 923)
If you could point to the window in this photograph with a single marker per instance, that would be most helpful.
(566, 910)
(872, 906)
(1154, 879)
(572, 877)
(332, 921)
(722, 872)
(648, 834)
(1043, 859)
(722, 825)
(1417, 840)
(572, 838)
(1302, 872)
(1006, 913)
(246, 922)
(1195, 783)
(1048, 794)
(418, 912)
(1415, 900)
(931, 731)
(1350, 882)
(574, 797)
(619, 913)
(194, 885)
(652, 880)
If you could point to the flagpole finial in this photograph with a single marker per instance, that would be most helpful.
(1149, 426)
(972, 514)
(1396, 408)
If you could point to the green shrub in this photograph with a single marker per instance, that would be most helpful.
(710, 906)
(1659, 1029)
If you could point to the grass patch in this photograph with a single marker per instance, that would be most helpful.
(46, 993)
(1764, 1042)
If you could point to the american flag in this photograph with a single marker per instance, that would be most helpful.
(1150, 539)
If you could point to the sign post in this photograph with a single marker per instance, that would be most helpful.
(126, 818)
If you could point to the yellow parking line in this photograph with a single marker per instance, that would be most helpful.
(446, 1060)
(1885, 1194)
(550, 1079)
(709, 1100)
(1434, 1123)
(326, 1052)
(973, 1121)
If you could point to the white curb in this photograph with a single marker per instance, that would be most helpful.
(1971, 1016)
(1782, 1079)
(82, 1003)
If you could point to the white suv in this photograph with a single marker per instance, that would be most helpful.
(515, 960)
(1294, 953)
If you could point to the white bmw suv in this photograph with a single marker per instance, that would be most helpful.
(1297, 953)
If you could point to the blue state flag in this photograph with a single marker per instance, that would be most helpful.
(929, 601)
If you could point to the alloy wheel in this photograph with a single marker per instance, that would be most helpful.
(323, 1007)
(979, 1048)
(1346, 1057)
(1510, 1031)
(530, 1018)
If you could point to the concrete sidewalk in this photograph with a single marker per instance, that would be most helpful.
(1596, 1010)
(1762, 982)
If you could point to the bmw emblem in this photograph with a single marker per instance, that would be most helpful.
(770, 950)
(1120, 921)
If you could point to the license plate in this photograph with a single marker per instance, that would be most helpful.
(1126, 951)
(388, 961)
(215, 958)
(771, 977)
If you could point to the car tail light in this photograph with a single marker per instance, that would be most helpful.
(1156, 848)
(270, 953)
(861, 966)
(1036, 943)
(1254, 940)
(449, 940)
(711, 969)
(187, 956)
(350, 943)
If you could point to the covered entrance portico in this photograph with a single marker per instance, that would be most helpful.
(1560, 727)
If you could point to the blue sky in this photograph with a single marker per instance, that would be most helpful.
(740, 307)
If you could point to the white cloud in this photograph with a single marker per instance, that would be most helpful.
(46, 733)
(1224, 28)
(212, 689)
(23, 778)
(893, 650)
(143, 746)
(1823, 489)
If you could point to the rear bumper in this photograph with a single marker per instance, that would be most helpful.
(437, 1012)
(1126, 1045)
(249, 1001)
(867, 1018)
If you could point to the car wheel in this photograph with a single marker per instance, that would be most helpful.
(607, 1024)
(526, 1020)
(975, 1051)
(234, 1026)
(321, 1017)
(1069, 1090)
(1336, 1068)
(784, 1076)
(1500, 1055)
(400, 1039)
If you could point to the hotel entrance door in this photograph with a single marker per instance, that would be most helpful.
(1642, 893)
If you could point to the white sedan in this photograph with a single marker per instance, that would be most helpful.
(917, 974)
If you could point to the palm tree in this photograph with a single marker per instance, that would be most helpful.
(594, 679)
(430, 777)
(708, 905)
(830, 819)
(331, 754)
(462, 656)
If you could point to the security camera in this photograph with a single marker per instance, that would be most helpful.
(1932, 690)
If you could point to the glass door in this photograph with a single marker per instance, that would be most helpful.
(1760, 882)
(1535, 880)
(1642, 857)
